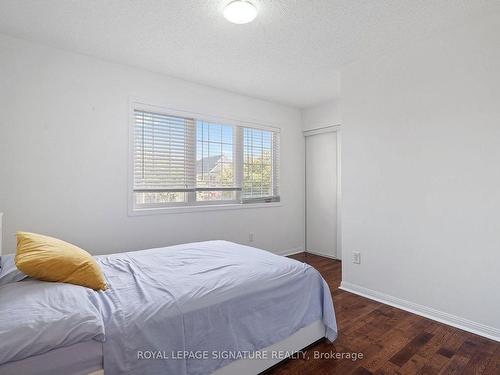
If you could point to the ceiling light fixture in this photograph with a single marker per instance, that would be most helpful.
(240, 12)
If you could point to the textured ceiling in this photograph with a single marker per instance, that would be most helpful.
(291, 53)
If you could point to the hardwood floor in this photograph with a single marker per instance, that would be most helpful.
(392, 341)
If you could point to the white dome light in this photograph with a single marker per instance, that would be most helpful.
(240, 11)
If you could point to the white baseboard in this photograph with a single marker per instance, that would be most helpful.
(428, 312)
(322, 255)
(287, 252)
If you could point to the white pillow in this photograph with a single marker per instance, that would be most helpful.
(8, 270)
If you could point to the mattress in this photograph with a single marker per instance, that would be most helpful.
(78, 359)
(193, 308)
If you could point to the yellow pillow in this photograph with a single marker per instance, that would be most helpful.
(49, 259)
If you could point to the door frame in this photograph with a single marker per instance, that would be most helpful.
(316, 131)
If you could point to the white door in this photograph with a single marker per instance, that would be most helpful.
(321, 194)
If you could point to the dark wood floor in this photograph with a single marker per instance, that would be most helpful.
(392, 341)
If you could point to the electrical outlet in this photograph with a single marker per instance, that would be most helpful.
(356, 257)
(251, 237)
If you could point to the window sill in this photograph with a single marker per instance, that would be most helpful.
(210, 207)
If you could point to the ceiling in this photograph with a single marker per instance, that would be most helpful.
(291, 53)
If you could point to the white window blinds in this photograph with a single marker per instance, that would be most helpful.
(163, 153)
(188, 161)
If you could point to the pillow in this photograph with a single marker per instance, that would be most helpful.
(49, 259)
(9, 272)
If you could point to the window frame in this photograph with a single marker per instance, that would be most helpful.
(188, 205)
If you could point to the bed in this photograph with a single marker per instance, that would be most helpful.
(197, 308)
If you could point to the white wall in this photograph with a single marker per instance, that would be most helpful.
(324, 114)
(64, 144)
(421, 173)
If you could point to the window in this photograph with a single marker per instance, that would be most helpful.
(259, 158)
(181, 161)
